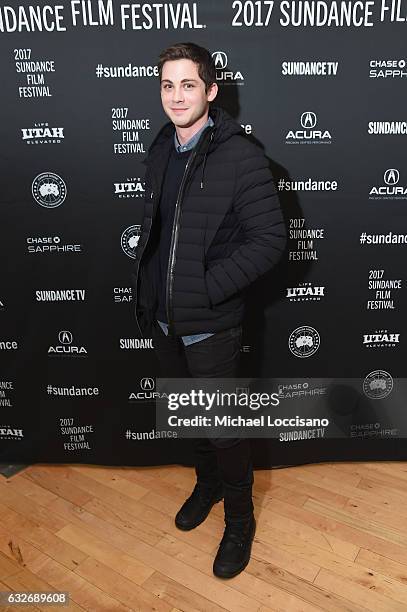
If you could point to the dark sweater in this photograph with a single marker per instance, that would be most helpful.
(165, 219)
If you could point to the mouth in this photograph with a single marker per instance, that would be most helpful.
(178, 110)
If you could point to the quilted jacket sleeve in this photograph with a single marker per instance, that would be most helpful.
(258, 209)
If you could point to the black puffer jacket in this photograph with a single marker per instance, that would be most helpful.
(228, 230)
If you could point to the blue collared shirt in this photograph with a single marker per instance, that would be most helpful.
(180, 149)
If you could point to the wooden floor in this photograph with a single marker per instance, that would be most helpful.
(329, 537)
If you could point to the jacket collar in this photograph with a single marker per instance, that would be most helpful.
(224, 127)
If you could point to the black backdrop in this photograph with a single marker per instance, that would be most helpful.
(74, 376)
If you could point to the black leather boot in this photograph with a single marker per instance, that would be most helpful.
(235, 548)
(198, 505)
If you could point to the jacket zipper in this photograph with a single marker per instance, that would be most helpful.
(138, 271)
(174, 241)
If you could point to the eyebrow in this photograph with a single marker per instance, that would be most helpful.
(183, 81)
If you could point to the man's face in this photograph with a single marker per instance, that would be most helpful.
(183, 92)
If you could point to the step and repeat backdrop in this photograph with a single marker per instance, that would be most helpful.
(322, 87)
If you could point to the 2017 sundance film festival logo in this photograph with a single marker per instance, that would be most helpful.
(308, 134)
(129, 240)
(378, 384)
(130, 131)
(6, 389)
(66, 346)
(34, 70)
(304, 341)
(42, 133)
(225, 74)
(390, 190)
(382, 290)
(76, 436)
(303, 240)
(49, 190)
(130, 188)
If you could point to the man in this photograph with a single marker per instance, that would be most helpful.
(212, 225)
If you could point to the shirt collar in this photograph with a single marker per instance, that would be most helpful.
(192, 141)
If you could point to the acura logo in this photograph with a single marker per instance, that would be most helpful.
(65, 337)
(220, 59)
(147, 384)
(308, 120)
(391, 176)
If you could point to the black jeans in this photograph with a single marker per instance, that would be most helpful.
(226, 460)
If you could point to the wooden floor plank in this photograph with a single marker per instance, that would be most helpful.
(330, 537)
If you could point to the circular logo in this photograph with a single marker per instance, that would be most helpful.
(220, 59)
(308, 120)
(48, 190)
(65, 337)
(129, 240)
(378, 384)
(391, 176)
(147, 384)
(304, 341)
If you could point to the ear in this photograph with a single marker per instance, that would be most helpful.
(212, 92)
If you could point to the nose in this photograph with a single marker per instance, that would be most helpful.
(177, 93)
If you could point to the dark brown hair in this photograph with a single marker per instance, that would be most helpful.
(191, 51)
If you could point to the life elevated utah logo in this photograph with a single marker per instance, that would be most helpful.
(226, 75)
(390, 190)
(308, 134)
(130, 188)
(42, 133)
(66, 346)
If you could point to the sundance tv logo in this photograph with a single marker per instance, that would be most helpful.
(321, 68)
(308, 134)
